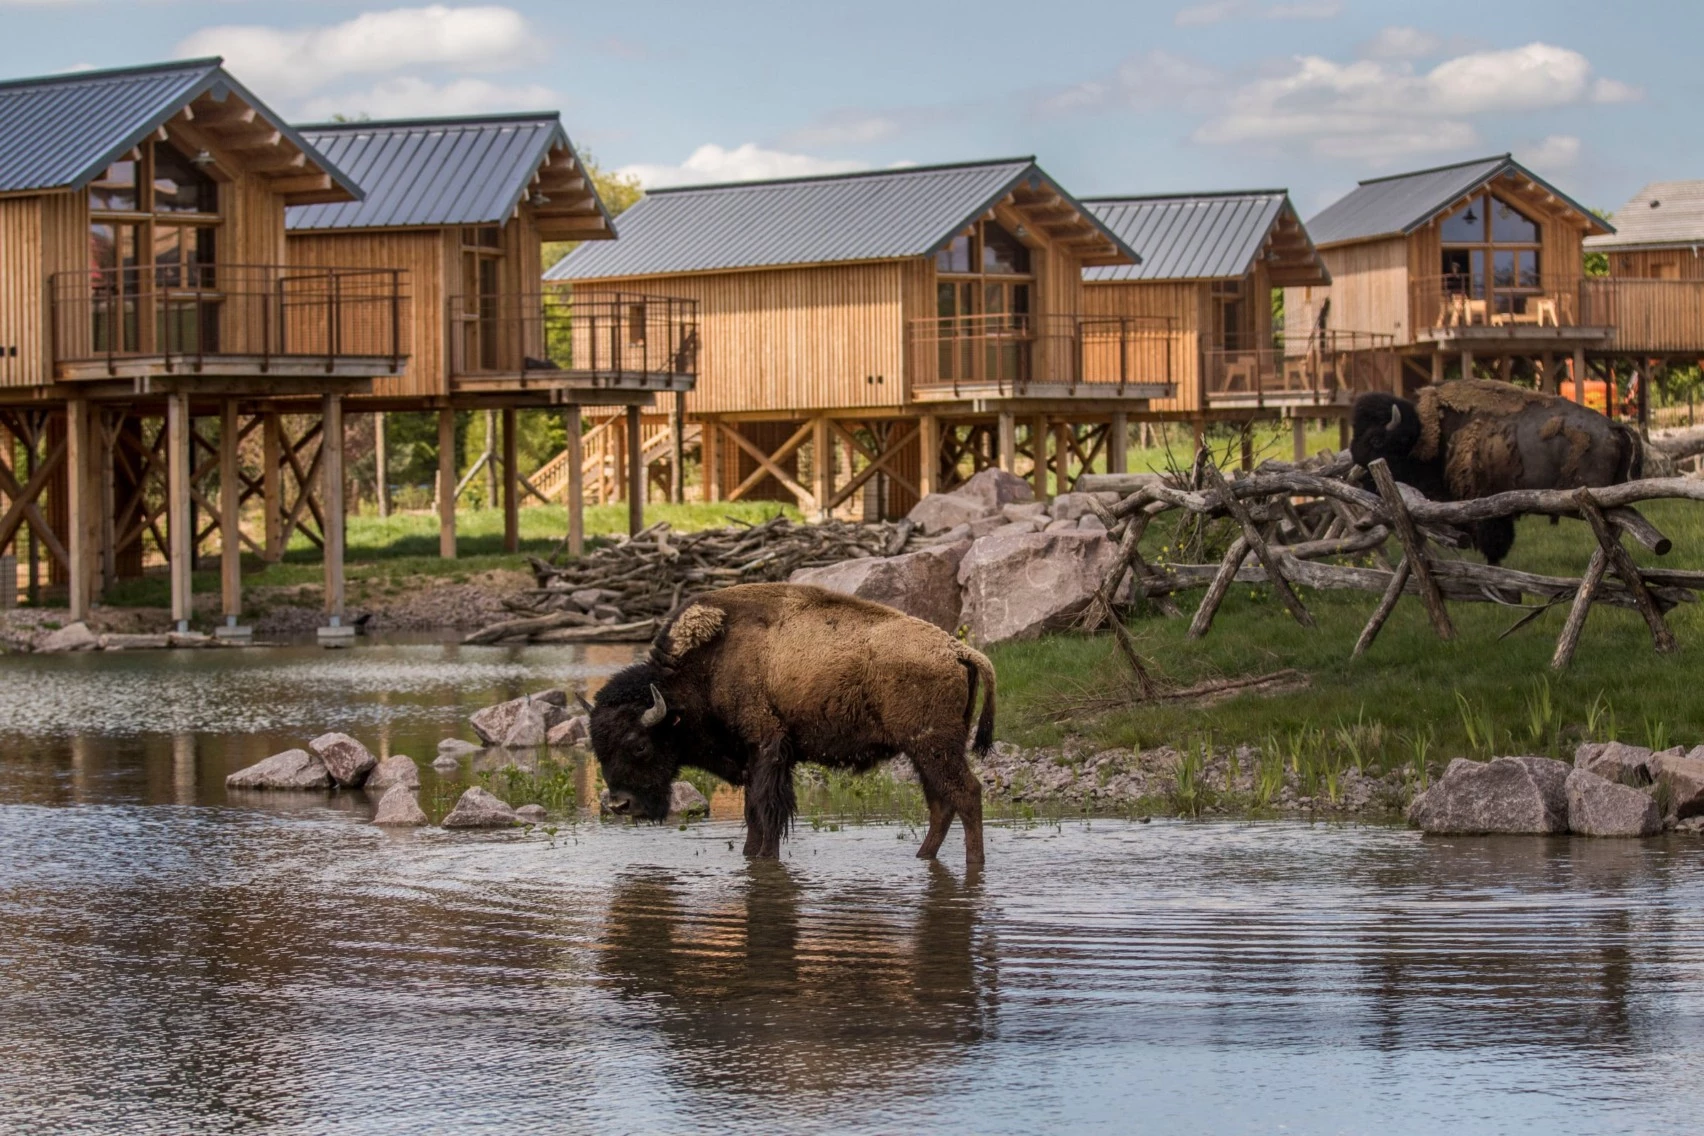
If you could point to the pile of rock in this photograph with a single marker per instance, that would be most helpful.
(79, 636)
(1612, 789)
(1003, 565)
(530, 721)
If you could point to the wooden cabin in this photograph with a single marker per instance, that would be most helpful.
(1210, 262)
(896, 329)
(463, 205)
(144, 285)
(1480, 260)
(1656, 273)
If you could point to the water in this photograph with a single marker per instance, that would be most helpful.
(174, 962)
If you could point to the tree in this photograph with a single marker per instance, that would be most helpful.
(617, 190)
(1597, 263)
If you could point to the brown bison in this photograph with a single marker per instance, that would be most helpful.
(748, 681)
(1462, 440)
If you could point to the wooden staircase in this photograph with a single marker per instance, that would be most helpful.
(603, 454)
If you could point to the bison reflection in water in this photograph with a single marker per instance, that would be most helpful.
(1462, 440)
(747, 681)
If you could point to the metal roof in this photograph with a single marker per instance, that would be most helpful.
(1399, 204)
(439, 171)
(61, 131)
(1663, 213)
(1194, 236)
(883, 215)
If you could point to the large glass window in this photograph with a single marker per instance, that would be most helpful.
(179, 186)
(1491, 251)
(982, 299)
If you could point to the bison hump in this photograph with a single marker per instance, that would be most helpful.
(695, 626)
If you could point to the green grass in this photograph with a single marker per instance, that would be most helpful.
(1413, 702)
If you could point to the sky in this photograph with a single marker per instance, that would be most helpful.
(1112, 97)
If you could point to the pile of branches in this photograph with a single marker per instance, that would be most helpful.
(620, 592)
(1333, 525)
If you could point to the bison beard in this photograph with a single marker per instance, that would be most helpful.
(748, 681)
(1476, 438)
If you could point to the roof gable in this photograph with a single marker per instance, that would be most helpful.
(61, 131)
(885, 215)
(1198, 236)
(1662, 213)
(1401, 203)
(457, 171)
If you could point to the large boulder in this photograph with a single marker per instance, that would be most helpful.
(1506, 794)
(456, 747)
(478, 808)
(1683, 778)
(530, 727)
(397, 769)
(576, 731)
(71, 637)
(1599, 807)
(531, 814)
(347, 760)
(493, 723)
(399, 807)
(1615, 761)
(996, 488)
(982, 496)
(1075, 506)
(685, 800)
(924, 583)
(292, 769)
(1018, 585)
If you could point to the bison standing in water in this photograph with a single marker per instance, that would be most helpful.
(747, 681)
(1462, 440)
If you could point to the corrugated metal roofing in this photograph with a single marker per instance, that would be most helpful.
(886, 215)
(1663, 213)
(1201, 236)
(60, 131)
(1401, 203)
(461, 171)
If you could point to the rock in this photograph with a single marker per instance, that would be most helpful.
(576, 731)
(71, 637)
(292, 769)
(530, 727)
(1018, 585)
(1598, 807)
(493, 723)
(188, 639)
(531, 814)
(480, 809)
(1506, 794)
(984, 495)
(1060, 525)
(347, 760)
(996, 489)
(397, 769)
(685, 800)
(1026, 525)
(446, 763)
(608, 613)
(923, 583)
(113, 641)
(589, 598)
(980, 527)
(1074, 506)
(1683, 778)
(1089, 522)
(399, 807)
(456, 747)
(1613, 761)
(1025, 511)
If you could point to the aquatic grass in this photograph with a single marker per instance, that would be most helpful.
(1189, 791)
(1656, 734)
(1477, 724)
(552, 785)
(1269, 777)
(1419, 752)
(1600, 719)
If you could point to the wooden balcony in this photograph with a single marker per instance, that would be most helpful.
(583, 340)
(229, 322)
(1595, 312)
(1052, 357)
(1328, 369)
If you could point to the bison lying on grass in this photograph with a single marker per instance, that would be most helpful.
(748, 681)
(1462, 440)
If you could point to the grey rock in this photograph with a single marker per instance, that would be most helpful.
(1506, 794)
(397, 769)
(922, 584)
(1075, 506)
(1019, 585)
(576, 731)
(529, 728)
(113, 641)
(1684, 779)
(607, 612)
(1089, 522)
(478, 808)
(455, 747)
(399, 807)
(995, 489)
(1614, 761)
(493, 723)
(939, 512)
(1024, 511)
(347, 760)
(1060, 525)
(982, 526)
(1598, 807)
(292, 769)
(685, 800)
(531, 814)
(71, 637)
(446, 763)
(188, 639)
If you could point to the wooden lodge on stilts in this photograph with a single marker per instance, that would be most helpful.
(869, 338)
(145, 295)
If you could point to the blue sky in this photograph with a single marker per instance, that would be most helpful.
(1113, 97)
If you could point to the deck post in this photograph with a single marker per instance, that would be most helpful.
(107, 488)
(1118, 443)
(929, 455)
(381, 463)
(1008, 430)
(635, 474)
(822, 467)
(1062, 457)
(1437, 367)
(1580, 375)
(1247, 446)
(710, 450)
(511, 485)
(1298, 437)
(1038, 456)
(447, 483)
(331, 493)
(271, 483)
(230, 534)
(177, 506)
(79, 548)
(576, 480)
(1467, 362)
(490, 459)
(677, 450)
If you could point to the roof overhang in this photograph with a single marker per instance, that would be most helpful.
(1289, 254)
(565, 202)
(1522, 186)
(1610, 244)
(1033, 198)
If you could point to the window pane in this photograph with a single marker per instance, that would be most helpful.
(181, 187)
(1456, 269)
(1527, 260)
(1510, 224)
(1020, 299)
(168, 256)
(946, 300)
(103, 250)
(994, 299)
(1503, 268)
(1476, 259)
(115, 189)
(955, 257)
(1466, 223)
(199, 244)
(1002, 252)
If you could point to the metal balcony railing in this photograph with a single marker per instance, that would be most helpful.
(1326, 367)
(621, 338)
(1014, 354)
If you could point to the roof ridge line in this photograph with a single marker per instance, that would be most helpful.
(1028, 159)
(1106, 198)
(1506, 156)
(202, 62)
(434, 120)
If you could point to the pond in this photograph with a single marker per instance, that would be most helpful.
(178, 962)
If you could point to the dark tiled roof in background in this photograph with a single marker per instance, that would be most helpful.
(1188, 236)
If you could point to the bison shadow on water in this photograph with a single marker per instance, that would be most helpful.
(1463, 440)
(748, 681)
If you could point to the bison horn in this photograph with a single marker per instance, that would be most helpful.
(658, 709)
(1395, 418)
(581, 699)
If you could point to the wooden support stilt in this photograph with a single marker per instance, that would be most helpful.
(447, 484)
(710, 456)
(822, 467)
(576, 490)
(511, 484)
(109, 424)
(1257, 544)
(230, 499)
(1227, 574)
(381, 463)
(331, 492)
(271, 484)
(929, 455)
(1038, 455)
(1466, 363)
(1062, 457)
(1247, 440)
(1299, 437)
(1118, 443)
(1387, 604)
(677, 450)
(79, 490)
(1343, 433)
(1437, 367)
(1569, 640)
(1008, 441)
(635, 474)
(1622, 564)
(1580, 375)
(491, 489)
(1414, 550)
(177, 510)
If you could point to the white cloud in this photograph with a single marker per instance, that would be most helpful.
(1213, 12)
(1222, 11)
(1402, 43)
(749, 162)
(408, 97)
(1152, 79)
(1533, 77)
(303, 59)
(1554, 153)
(1614, 91)
(846, 127)
(1307, 10)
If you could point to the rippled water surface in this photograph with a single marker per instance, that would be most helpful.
(172, 961)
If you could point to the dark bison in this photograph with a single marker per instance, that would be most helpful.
(748, 681)
(1461, 440)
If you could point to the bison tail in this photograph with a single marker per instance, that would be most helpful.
(976, 665)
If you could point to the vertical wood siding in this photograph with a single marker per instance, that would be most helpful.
(1183, 304)
(23, 300)
(420, 253)
(1369, 287)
